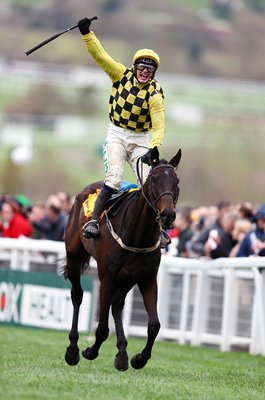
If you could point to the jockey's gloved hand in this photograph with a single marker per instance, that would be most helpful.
(146, 158)
(84, 25)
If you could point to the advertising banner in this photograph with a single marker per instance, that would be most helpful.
(43, 300)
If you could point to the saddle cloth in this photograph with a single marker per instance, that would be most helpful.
(89, 203)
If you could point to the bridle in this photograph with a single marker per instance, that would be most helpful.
(152, 201)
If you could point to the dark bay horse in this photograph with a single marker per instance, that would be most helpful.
(127, 254)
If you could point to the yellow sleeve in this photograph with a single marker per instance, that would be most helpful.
(157, 112)
(113, 68)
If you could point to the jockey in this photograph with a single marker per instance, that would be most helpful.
(136, 106)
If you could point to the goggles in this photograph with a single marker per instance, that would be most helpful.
(150, 68)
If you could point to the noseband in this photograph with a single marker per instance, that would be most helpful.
(153, 201)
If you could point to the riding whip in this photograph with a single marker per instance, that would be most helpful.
(53, 37)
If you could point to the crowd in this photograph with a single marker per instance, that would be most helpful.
(222, 230)
(18, 217)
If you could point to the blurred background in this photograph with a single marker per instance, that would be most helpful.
(54, 103)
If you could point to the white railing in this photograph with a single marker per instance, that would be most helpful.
(215, 302)
(20, 254)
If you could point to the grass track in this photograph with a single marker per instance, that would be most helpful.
(33, 368)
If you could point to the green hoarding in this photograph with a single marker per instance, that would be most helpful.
(42, 299)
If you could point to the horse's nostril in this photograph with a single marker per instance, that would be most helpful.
(167, 217)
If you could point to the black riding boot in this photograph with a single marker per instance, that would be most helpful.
(91, 228)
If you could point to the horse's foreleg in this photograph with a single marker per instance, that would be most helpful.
(102, 331)
(72, 351)
(121, 358)
(149, 293)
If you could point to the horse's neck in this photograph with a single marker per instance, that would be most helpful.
(139, 223)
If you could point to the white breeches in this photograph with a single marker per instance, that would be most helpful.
(123, 145)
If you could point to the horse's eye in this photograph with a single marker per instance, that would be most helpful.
(154, 179)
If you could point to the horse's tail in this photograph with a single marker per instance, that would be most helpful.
(61, 269)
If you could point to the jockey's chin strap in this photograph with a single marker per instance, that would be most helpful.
(152, 202)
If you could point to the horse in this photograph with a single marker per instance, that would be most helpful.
(127, 253)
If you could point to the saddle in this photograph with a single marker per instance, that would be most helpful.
(126, 191)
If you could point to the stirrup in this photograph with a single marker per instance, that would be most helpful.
(164, 239)
(91, 229)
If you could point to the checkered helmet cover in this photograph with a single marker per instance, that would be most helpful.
(148, 54)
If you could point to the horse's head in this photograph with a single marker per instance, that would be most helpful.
(162, 187)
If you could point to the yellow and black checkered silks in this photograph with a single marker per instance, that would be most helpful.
(134, 106)
(129, 104)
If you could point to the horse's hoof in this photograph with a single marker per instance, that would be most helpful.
(72, 357)
(138, 362)
(121, 362)
(89, 354)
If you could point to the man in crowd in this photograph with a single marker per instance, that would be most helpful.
(52, 225)
(220, 241)
(253, 243)
(197, 243)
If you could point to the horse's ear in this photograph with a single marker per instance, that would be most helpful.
(154, 156)
(176, 159)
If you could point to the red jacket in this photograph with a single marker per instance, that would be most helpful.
(18, 226)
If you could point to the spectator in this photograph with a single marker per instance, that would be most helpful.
(66, 201)
(12, 223)
(198, 217)
(183, 225)
(52, 225)
(242, 226)
(246, 211)
(35, 215)
(24, 204)
(220, 241)
(202, 217)
(253, 243)
(197, 243)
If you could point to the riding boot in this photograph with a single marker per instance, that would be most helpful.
(91, 228)
(164, 239)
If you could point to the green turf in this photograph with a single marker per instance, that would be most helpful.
(33, 368)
